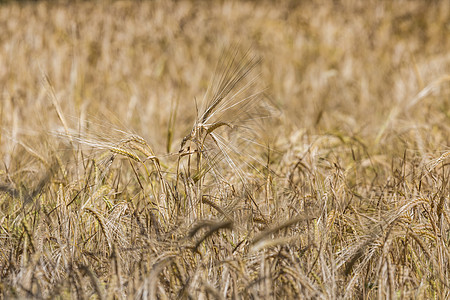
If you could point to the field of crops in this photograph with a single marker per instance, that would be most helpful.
(225, 150)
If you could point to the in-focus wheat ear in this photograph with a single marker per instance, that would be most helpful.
(230, 105)
(231, 100)
(232, 69)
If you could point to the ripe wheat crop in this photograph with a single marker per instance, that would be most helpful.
(224, 150)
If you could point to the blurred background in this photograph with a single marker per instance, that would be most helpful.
(345, 67)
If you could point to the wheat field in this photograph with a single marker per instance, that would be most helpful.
(225, 150)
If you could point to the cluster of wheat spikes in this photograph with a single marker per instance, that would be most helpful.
(332, 183)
